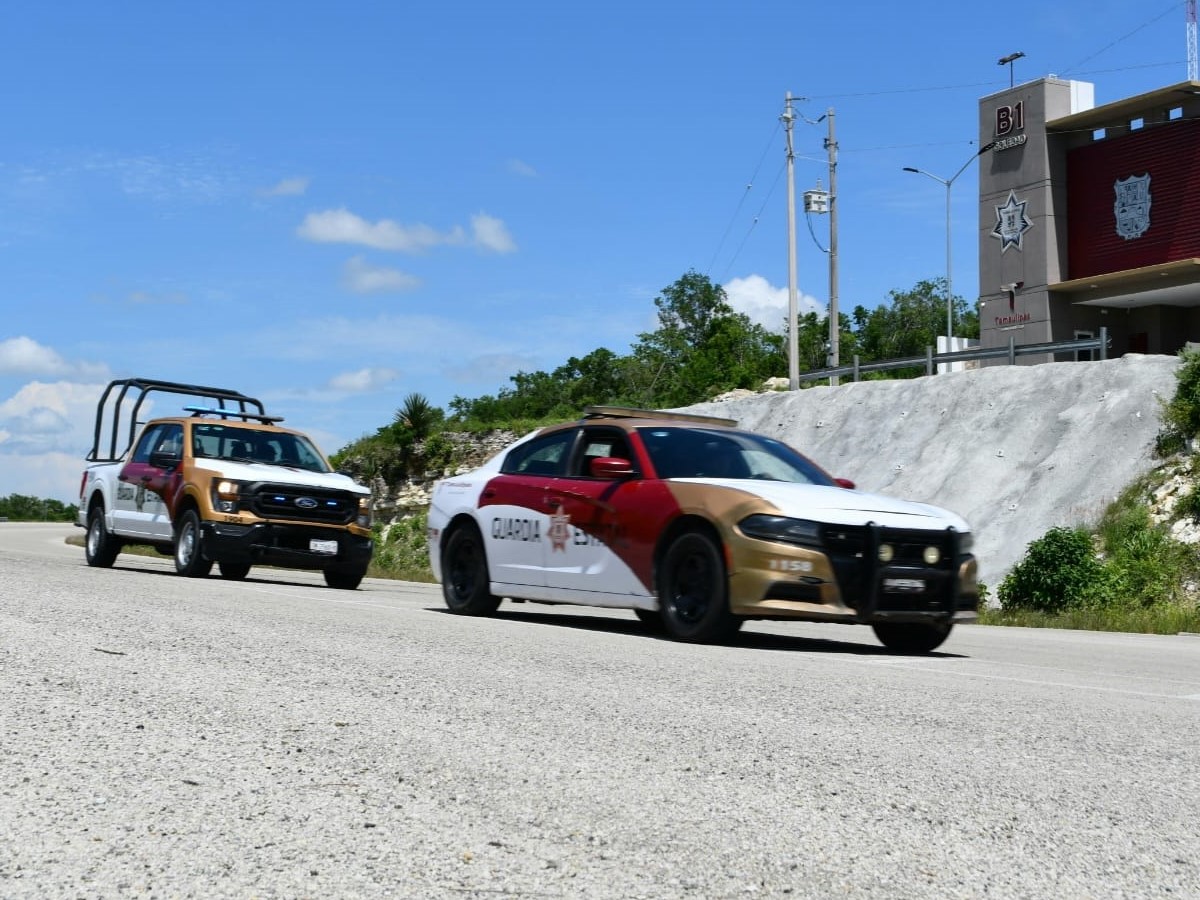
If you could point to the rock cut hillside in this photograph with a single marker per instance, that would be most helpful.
(1015, 450)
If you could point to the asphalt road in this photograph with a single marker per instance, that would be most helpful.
(171, 737)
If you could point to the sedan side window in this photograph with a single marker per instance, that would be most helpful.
(545, 455)
(599, 443)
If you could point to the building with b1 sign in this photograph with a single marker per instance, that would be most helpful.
(1089, 217)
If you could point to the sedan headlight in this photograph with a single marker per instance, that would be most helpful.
(783, 529)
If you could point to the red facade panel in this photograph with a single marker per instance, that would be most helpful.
(1117, 217)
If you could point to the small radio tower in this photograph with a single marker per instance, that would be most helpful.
(1191, 39)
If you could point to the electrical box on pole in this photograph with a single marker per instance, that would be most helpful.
(816, 201)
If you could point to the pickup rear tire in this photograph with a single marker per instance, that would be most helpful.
(189, 547)
(100, 548)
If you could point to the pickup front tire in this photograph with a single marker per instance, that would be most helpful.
(100, 548)
(189, 547)
(343, 580)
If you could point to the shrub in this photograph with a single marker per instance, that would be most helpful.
(401, 550)
(1181, 414)
(1060, 571)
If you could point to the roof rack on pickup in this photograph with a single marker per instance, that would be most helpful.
(626, 412)
(198, 411)
(135, 390)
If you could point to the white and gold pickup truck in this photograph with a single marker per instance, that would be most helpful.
(222, 482)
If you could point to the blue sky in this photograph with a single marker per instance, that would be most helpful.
(331, 206)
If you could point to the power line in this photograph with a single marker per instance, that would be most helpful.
(1175, 5)
(753, 223)
(745, 193)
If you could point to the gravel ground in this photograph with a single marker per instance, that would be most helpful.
(169, 737)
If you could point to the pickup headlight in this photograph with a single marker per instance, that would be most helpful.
(226, 495)
(782, 529)
(965, 542)
(364, 512)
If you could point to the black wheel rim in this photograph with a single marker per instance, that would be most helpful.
(464, 569)
(691, 587)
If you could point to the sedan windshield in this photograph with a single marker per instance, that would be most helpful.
(678, 452)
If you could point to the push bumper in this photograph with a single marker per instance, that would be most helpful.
(287, 546)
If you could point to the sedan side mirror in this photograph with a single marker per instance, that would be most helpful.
(610, 467)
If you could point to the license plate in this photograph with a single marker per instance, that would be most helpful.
(329, 547)
(903, 584)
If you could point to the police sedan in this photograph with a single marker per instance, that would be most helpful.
(696, 526)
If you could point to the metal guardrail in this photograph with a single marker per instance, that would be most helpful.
(931, 360)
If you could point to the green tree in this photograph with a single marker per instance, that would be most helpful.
(22, 508)
(701, 347)
(912, 322)
(418, 415)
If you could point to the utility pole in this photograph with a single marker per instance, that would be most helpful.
(788, 118)
(834, 322)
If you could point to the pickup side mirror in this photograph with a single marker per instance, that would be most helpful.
(610, 467)
(160, 459)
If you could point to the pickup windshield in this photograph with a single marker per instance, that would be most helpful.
(215, 440)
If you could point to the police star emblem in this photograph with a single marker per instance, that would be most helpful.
(1011, 222)
(559, 531)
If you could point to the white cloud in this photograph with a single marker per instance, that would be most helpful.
(492, 366)
(519, 167)
(288, 187)
(765, 304)
(363, 380)
(46, 429)
(361, 277)
(165, 298)
(492, 234)
(53, 475)
(340, 226)
(25, 356)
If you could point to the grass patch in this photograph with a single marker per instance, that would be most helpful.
(1171, 619)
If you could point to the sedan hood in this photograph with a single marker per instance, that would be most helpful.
(840, 506)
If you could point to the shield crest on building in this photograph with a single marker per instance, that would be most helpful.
(1132, 206)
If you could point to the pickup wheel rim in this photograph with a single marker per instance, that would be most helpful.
(93, 536)
(187, 544)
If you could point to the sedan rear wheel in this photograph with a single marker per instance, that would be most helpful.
(693, 590)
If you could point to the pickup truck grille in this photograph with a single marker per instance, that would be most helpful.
(300, 504)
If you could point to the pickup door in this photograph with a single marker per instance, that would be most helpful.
(139, 508)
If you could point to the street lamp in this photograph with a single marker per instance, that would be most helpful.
(948, 183)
